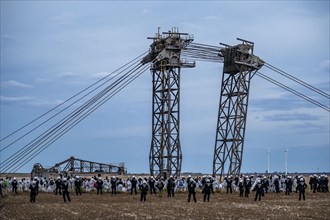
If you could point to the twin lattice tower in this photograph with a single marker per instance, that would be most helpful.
(239, 67)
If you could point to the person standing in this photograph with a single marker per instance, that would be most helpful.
(113, 183)
(207, 190)
(99, 186)
(192, 189)
(152, 185)
(1, 188)
(133, 185)
(229, 182)
(241, 188)
(160, 186)
(301, 188)
(14, 185)
(65, 190)
(33, 191)
(144, 191)
(58, 184)
(248, 186)
(259, 190)
(170, 186)
(77, 184)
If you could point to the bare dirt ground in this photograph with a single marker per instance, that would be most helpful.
(126, 206)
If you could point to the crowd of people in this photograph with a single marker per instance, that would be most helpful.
(207, 185)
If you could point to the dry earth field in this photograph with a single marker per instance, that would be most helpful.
(126, 206)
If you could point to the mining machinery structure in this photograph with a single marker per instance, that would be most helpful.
(165, 156)
(239, 66)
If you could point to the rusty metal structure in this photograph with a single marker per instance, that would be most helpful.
(240, 65)
(165, 156)
(74, 166)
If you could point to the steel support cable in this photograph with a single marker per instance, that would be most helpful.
(297, 80)
(203, 54)
(10, 144)
(206, 45)
(58, 125)
(109, 96)
(42, 141)
(293, 91)
(103, 78)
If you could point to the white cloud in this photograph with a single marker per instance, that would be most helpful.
(15, 84)
(146, 11)
(15, 99)
(28, 100)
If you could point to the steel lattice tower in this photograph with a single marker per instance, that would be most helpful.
(239, 67)
(165, 151)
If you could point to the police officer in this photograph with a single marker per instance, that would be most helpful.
(33, 191)
(259, 190)
(301, 188)
(152, 185)
(160, 186)
(77, 184)
(229, 182)
(14, 185)
(248, 185)
(191, 189)
(170, 186)
(134, 184)
(58, 184)
(65, 190)
(207, 190)
(241, 188)
(144, 190)
(99, 185)
(113, 183)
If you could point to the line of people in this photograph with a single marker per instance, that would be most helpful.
(207, 184)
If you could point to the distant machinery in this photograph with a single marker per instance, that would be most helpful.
(165, 156)
(73, 166)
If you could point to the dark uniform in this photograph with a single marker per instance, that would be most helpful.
(113, 183)
(259, 190)
(160, 186)
(58, 184)
(288, 186)
(152, 185)
(134, 184)
(170, 187)
(192, 189)
(301, 188)
(77, 184)
(248, 186)
(144, 191)
(99, 186)
(229, 183)
(1, 188)
(14, 185)
(33, 191)
(65, 190)
(241, 188)
(207, 190)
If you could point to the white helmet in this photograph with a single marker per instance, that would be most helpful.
(58, 177)
(14, 178)
(207, 180)
(77, 177)
(144, 182)
(34, 183)
(64, 179)
(100, 178)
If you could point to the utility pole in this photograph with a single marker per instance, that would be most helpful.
(286, 161)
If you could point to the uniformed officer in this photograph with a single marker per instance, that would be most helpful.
(191, 189)
(65, 190)
(144, 190)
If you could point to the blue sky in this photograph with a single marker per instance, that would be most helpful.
(52, 50)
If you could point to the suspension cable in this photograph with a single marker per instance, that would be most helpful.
(72, 97)
(283, 73)
(76, 112)
(17, 167)
(293, 91)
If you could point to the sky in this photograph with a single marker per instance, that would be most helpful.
(52, 50)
